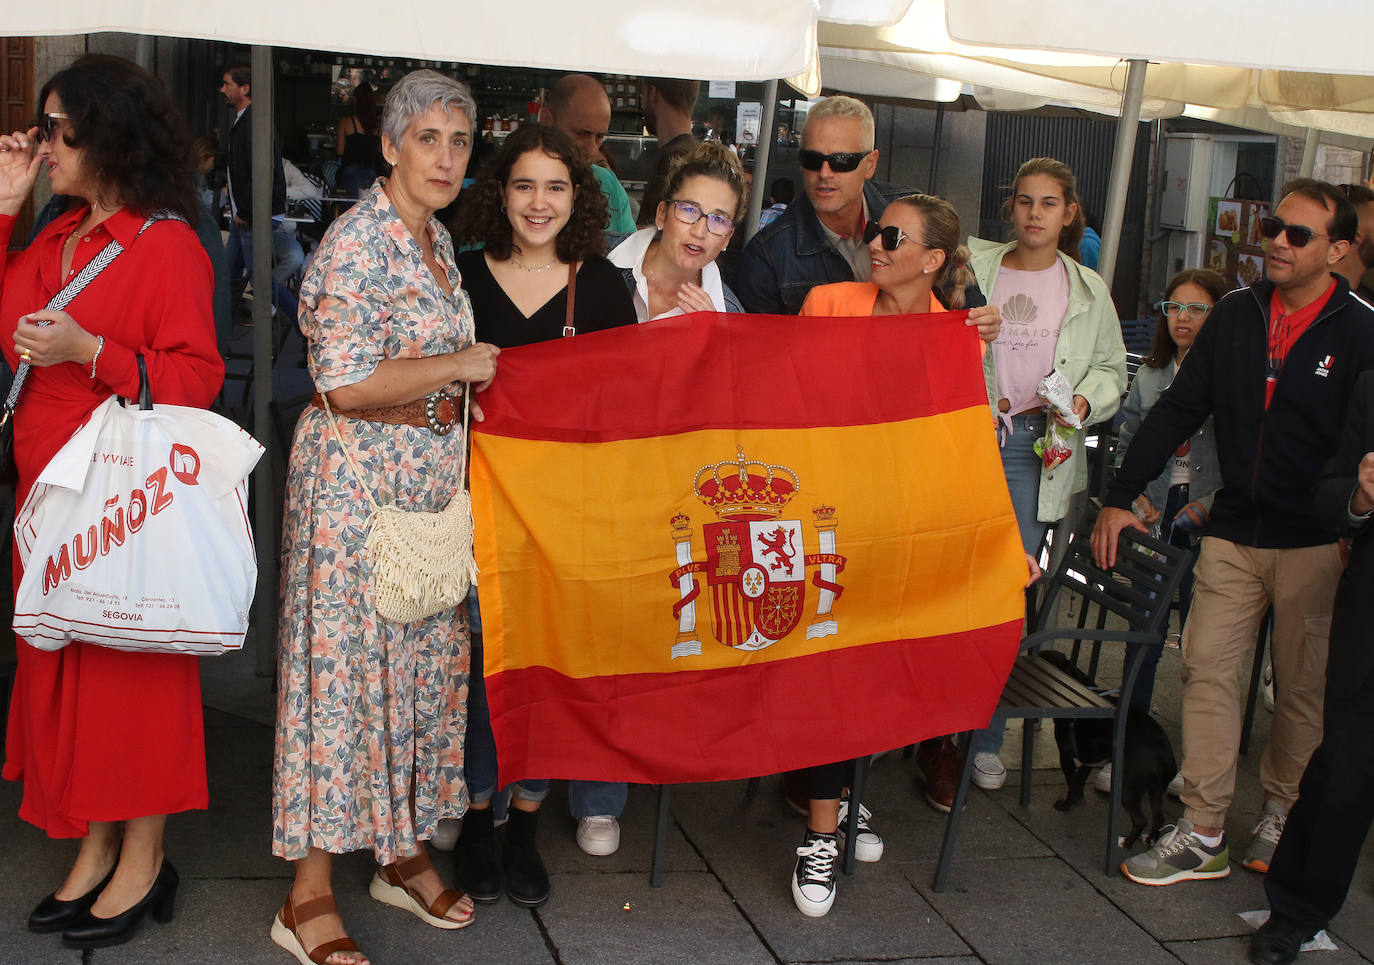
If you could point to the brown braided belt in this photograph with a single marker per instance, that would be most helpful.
(436, 412)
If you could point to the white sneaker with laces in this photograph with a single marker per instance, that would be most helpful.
(989, 772)
(1266, 837)
(868, 844)
(598, 835)
(813, 878)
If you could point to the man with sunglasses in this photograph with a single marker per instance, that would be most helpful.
(1274, 366)
(819, 238)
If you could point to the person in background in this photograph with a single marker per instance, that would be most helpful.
(1057, 317)
(370, 712)
(538, 213)
(1360, 258)
(780, 195)
(667, 105)
(1090, 245)
(578, 106)
(1177, 503)
(358, 143)
(107, 743)
(237, 87)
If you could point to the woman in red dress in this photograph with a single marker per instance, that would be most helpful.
(107, 743)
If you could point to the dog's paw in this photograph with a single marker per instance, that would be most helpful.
(1068, 804)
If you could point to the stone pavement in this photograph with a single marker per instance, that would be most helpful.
(1027, 886)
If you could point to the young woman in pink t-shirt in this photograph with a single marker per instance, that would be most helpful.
(1057, 316)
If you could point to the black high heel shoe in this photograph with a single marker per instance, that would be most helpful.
(93, 932)
(55, 914)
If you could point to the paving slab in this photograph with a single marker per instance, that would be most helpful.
(33, 866)
(1232, 951)
(609, 919)
(1036, 910)
(558, 843)
(751, 846)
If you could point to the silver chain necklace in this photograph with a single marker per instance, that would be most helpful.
(534, 268)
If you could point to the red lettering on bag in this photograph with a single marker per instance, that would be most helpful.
(111, 529)
(85, 557)
(185, 464)
(157, 482)
(140, 502)
(57, 570)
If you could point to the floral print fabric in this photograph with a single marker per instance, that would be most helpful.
(368, 711)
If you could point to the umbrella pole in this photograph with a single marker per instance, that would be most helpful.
(1122, 155)
(761, 152)
(1309, 153)
(266, 536)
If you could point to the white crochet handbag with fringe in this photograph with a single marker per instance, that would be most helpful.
(422, 562)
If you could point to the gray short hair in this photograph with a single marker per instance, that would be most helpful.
(841, 106)
(413, 96)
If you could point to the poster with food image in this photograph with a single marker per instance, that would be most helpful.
(1229, 219)
(1257, 211)
(1249, 268)
(1217, 256)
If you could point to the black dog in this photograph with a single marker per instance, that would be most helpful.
(1147, 765)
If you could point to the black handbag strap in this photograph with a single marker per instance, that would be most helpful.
(64, 298)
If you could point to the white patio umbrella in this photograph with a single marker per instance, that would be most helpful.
(1266, 65)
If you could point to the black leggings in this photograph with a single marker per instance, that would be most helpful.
(826, 782)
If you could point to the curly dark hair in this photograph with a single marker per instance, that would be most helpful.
(1163, 350)
(132, 137)
(482, 219)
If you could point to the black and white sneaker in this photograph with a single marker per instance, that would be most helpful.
(868, 844)
(813, 879)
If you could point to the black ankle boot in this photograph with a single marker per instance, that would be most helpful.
(93, 932)
(527, 883)
(476, 861)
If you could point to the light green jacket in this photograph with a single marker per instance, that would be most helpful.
(1089, 353)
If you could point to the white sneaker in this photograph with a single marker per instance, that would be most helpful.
(813, 878)
(868, 844)
(1175, 788)
(1267, 686)
(989, 772)
(1103, 780)
(598, 835)
(445, 835)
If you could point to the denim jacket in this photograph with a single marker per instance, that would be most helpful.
(1146, 388)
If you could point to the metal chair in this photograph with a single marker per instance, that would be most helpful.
(1137, 592)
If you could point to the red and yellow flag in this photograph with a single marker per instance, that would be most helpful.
(719, 546)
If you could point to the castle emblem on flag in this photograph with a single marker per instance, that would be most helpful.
(756, 561)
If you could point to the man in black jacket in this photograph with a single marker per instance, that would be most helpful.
(1274, 365)
(237, 87)
(1315, 862)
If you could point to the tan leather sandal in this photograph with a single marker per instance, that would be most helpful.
(390, 888)
(291, 917)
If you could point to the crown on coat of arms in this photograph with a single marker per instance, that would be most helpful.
(745, 488)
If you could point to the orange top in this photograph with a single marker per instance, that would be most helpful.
(849, 298)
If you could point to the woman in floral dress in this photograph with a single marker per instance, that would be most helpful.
(370, 719)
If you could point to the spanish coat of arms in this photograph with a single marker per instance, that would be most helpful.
(756, 561)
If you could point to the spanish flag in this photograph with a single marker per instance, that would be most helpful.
(720, 546)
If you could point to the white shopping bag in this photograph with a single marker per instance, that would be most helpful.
(136, 535)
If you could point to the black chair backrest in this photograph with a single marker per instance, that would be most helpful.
(1138, 589)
